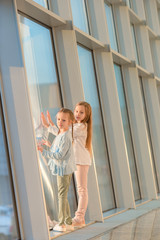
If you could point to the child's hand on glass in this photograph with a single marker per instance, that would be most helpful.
(49, 118)
(44, 121)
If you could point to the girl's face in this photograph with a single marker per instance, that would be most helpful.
(79, 113)
(63, 121)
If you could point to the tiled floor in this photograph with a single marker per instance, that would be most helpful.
(146, 227)
(142, 223)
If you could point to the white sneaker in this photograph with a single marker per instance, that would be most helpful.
(51, 223)
(59, 228)
(69, 227)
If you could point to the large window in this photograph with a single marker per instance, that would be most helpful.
(79, 13)
(8, 224)
(148, 133)
(44, 95)
(135, 44)
(111, 27)
(99, 141)
(127, 132)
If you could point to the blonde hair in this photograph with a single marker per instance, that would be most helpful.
(88, 120)
(71, 116)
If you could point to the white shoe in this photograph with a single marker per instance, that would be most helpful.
(54, 222)
(69, 227)
(51, 223)
(59, 228)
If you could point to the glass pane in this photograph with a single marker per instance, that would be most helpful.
(134, 44)
(129, 3)
(8, 228)
(44, 95)
(42, 2)
(111, 27)
(99, 143)
(127, 132)
(149, 134)
(79, 15)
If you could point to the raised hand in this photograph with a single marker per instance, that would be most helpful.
(44, 121)
(49, 118)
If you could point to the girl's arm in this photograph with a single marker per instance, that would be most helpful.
(52, 128)
(49, 124)
(62, 150)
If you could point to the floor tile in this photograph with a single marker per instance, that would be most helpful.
(142, 223)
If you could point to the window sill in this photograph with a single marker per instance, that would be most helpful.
(39, 13)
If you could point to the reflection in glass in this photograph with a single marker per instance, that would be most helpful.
(127, 132)
(8, 228)
(111, 27)
(99, 143)
(135, 44)
(149, 134)
(145, 227)
(44, 95)
(42, 3)
(79, 15)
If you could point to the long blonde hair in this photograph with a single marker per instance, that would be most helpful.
(88, 120)
(71, 116)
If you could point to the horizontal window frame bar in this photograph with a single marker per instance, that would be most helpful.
(158, 4)
(144, 73)
(134, 18)
(158, 80)
(89, 41)
(152, 35)
(117, 2)
(120, 59)
(39, 13)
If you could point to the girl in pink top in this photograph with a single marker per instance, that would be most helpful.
(82, 135)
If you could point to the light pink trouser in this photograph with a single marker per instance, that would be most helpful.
(81, 179)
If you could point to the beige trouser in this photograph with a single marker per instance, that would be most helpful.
(81, 179)
(64, 215)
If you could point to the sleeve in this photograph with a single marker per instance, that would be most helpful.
(61, 151)
(79, 130)
(54, 130)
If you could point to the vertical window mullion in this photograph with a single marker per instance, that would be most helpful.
(127, 132)
(105, 137)
(149, 133)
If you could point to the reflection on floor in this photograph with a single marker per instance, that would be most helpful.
(146, 227)
(142, 223)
